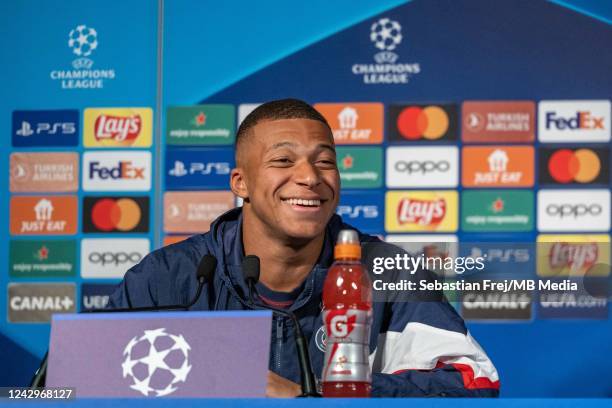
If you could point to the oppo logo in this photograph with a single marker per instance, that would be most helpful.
(575, 210)
(426, 166)
(115, 258)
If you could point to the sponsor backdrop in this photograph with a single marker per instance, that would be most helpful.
(487, 124)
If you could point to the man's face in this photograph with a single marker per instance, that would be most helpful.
(291, 175)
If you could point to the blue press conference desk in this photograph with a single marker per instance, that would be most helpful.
(326, 403)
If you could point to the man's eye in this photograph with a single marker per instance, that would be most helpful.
(282, 160)
(327, 162)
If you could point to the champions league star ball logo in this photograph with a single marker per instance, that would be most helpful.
(83, 40)
(386, 35)
(156, 362)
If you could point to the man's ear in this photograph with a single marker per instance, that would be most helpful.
(238, 183)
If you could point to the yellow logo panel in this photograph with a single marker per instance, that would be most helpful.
(573, 255)
(422, 211)
(118, 127)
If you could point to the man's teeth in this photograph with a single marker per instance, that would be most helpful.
(299, 201)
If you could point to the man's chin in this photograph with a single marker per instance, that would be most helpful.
(304, 231)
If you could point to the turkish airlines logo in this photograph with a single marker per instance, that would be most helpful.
(421, 212)
(42, 172)
(116, 214)
(193, 211)
(498, 121)
(574, 121)
(573, 210)
(582, 166)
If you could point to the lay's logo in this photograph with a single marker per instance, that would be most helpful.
(120, 127)
(421, 212)
(431, 211)
(117, 128)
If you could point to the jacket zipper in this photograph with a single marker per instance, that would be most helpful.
(279, 341)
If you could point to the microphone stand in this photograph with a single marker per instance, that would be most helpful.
(309, 387)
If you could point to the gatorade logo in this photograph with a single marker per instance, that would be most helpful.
(116, 214)
(340, 324)
(574, 166)
(422, 122)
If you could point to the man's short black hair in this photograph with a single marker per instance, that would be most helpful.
(276, 110)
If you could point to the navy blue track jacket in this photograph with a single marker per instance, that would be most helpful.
(417, 348)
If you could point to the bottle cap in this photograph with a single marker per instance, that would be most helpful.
(347, 245)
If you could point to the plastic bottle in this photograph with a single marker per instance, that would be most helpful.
(347, 302)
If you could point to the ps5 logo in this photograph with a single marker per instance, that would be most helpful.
(503, 255)
(65, 128)
(352, 212)
(180, 170)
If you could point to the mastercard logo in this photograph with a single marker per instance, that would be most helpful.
(123, 214)
(430, 122)
(581, 166)
(115, 214)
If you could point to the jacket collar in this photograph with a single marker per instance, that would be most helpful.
(225, 242)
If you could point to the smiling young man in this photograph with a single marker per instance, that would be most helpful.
(287, 176)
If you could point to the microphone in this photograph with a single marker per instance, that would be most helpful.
(251, 270)
(204, 274)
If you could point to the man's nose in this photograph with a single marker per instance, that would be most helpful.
(307, 174)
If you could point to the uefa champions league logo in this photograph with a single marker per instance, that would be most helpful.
(83, 40)
(156, 362)
(386, 35)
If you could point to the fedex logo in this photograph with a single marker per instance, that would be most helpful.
(574, 121)
(582, 120)
(117, 171)
(363, 211)
(124, 170)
